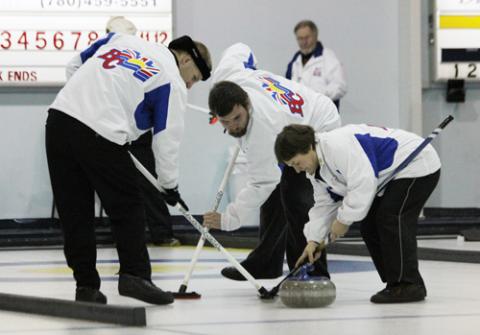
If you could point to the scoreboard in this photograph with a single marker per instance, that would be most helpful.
(457, 40)
(39, 37)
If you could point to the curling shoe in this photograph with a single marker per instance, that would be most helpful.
(142, 289)
(400, 292)
(88, 294)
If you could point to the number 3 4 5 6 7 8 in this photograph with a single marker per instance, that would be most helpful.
(46, 40)
(61, 40)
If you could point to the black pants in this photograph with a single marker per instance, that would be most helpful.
(80, 162)
(282, 218)
(390, 228)
(158, 217)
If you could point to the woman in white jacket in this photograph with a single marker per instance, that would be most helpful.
(345, 167)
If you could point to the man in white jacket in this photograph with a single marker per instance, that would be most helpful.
(315, 66)
(120, 87)
(253, 106)
(345, 167)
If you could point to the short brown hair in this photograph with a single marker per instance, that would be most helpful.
(306, 23)
(294, 139)
(225, 95)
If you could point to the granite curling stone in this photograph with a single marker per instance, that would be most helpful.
(305, 291)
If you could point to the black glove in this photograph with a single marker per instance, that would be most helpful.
(172, 197)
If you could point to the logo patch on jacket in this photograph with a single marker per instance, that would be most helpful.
(143, 67)
(317, 72)
(283, 95)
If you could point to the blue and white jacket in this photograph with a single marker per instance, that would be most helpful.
(323, 72)
(353, 161)
(121, 87)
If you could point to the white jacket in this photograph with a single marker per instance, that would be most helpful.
(323, 72)
(121, 87)
(276, 102)
(354, 160)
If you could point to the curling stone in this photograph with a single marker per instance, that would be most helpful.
(305, 291)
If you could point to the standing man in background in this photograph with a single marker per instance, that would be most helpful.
(315, 66)
(120, 88)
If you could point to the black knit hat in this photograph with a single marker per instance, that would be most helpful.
(185, 43)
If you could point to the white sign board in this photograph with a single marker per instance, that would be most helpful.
(457, 39)
(39, 37)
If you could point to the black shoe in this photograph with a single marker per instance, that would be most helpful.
(88, 294)
(401, 292)
(142, 289)
(233, 274)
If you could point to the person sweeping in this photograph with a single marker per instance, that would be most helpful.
(345, 167)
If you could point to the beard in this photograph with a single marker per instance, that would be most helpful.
(242, 131)
(238, 133)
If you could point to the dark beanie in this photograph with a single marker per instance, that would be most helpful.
(185, 43)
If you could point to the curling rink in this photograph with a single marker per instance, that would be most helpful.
(228, 307)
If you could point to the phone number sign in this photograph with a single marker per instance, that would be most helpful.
(39, 37)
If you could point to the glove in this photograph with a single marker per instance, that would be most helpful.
(172, 197)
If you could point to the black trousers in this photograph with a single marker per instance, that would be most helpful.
(282, 218)
(390, 228)
(80, 162)
(157, 215)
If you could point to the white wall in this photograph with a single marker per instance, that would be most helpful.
(375, 40)
(363, 34)
(459, 145)
(24, 182)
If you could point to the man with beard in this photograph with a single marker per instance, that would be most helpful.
(253, 106)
